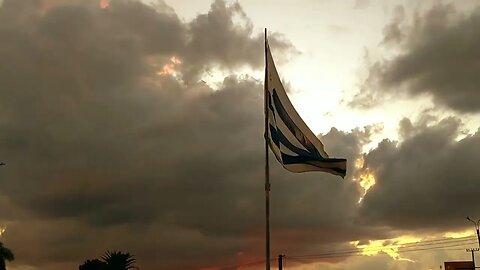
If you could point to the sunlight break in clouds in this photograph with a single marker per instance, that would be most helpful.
(389, 247)
(169, 69)
(366, 179)
(460, 234)
(104, 3)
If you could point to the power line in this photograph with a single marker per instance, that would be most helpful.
(309, 260)
(400, 246)
(435, 244)
(359, 252)
(440, 247)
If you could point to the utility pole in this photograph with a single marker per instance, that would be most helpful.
(476, 223)
(280, 261)
(473, 255)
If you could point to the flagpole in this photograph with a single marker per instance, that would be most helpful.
(267, 171)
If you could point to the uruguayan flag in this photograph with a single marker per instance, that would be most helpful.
(293, 143)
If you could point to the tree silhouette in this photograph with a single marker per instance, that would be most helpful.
(5, 255)
(94, 264)
(118, 260)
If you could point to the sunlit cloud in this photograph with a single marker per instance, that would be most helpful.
(459, 234)
(359, 163)
(104, 3)
(169, 69)
(365, 178)
(390, 246)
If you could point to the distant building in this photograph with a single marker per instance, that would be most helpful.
(459, 265)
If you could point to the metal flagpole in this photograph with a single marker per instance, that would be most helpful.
(267, 172)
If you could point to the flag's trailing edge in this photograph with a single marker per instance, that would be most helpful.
(293, 143)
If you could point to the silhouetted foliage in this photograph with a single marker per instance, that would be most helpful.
(5, 255)
(94, 264)
(117, 260)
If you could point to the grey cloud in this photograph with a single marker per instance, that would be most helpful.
(104, 154)
(392, 33)
(216, 37)
(330, 202)
(438, 59)
(428, 181)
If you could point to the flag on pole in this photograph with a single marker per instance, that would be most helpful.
(293, 143)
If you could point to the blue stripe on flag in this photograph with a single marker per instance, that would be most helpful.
(334, 164)
(278, 137)
(292, 127)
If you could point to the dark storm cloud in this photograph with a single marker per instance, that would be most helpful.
(227, 44)
(82, 71)
(105, 154)
(438, 58)
(331, 205)
(428, 181)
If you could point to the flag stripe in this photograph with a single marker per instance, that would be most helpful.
(278, 137)
(304, 167)
(333, 164)
(292, 127)
(290, 139)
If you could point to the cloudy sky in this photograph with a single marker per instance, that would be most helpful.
(137, 126)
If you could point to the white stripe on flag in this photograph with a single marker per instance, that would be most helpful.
(293, 143)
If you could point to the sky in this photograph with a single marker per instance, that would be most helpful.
(138, 126)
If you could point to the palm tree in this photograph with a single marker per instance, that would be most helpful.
(5, 255)
(94, 264)
(117, 260)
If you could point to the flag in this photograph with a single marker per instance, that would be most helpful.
(293, 143)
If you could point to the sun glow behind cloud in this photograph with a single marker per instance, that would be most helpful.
(104, 3)
(390, 246)
(460, 234)
(169, 68)
(365, 178)
(393, 247)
